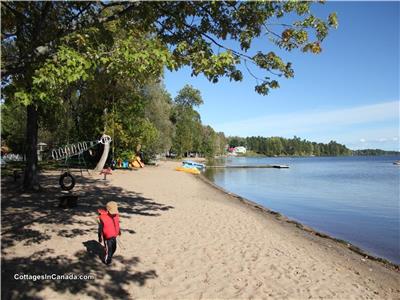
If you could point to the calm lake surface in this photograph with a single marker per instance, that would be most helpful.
(351, 198)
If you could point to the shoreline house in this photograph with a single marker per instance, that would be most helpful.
(237, 150)
(240, 150)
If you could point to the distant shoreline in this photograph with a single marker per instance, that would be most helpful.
(294, 156)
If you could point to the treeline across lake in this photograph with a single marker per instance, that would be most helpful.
(296, 146)
(374, 152)
(271, 146)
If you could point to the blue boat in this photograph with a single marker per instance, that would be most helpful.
(191, 164)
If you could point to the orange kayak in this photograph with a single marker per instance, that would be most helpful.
(188, 170)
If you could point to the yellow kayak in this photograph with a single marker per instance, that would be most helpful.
(188, 170)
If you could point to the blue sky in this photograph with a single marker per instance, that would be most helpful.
(348, 93)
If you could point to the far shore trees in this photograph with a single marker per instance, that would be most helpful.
(271, 146)
(52, 48)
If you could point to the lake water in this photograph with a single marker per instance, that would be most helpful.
(350, 198)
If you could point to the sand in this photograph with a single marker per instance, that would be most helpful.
(182, 239)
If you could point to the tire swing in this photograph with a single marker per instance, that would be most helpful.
(63, 185)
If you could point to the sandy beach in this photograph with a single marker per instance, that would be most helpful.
(182, 239)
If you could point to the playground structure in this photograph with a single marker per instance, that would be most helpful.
(77, 149)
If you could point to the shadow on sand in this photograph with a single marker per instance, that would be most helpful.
(20, 210)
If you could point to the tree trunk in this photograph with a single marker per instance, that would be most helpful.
(31, 180)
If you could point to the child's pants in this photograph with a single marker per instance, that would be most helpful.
(110, 247)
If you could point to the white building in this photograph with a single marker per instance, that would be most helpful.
(240, 149)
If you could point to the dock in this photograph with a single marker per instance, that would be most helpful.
(249, 167)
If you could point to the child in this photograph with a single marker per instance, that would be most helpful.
(109, 229)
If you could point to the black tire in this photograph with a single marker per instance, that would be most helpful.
(62, 184)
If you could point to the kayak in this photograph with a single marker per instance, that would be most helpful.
(190, 163)
(188, 170)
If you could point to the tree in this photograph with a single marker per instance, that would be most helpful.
(158, 109)
(13, 124)
(188, 97)
(48, 46)
(208, 141)
(187, 120)
(235, 141)
(222, 143)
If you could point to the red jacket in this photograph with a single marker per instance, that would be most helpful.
(109, 224)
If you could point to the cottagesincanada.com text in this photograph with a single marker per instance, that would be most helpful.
(38, 277)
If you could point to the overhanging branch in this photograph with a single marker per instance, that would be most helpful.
(14, 11)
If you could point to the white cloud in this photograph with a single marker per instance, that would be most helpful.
(362, 140)
(309, 122)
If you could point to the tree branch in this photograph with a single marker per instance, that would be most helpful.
(251, 73)
(245, 57)
(271, 32)
(116, 15)
(9, 71)
(13, 10)
(81, 11)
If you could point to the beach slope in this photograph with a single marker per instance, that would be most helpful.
(182, 239)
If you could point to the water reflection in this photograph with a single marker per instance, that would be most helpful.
(352, 198)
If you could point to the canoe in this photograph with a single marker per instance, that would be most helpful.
(188, 170)
(190, 163)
